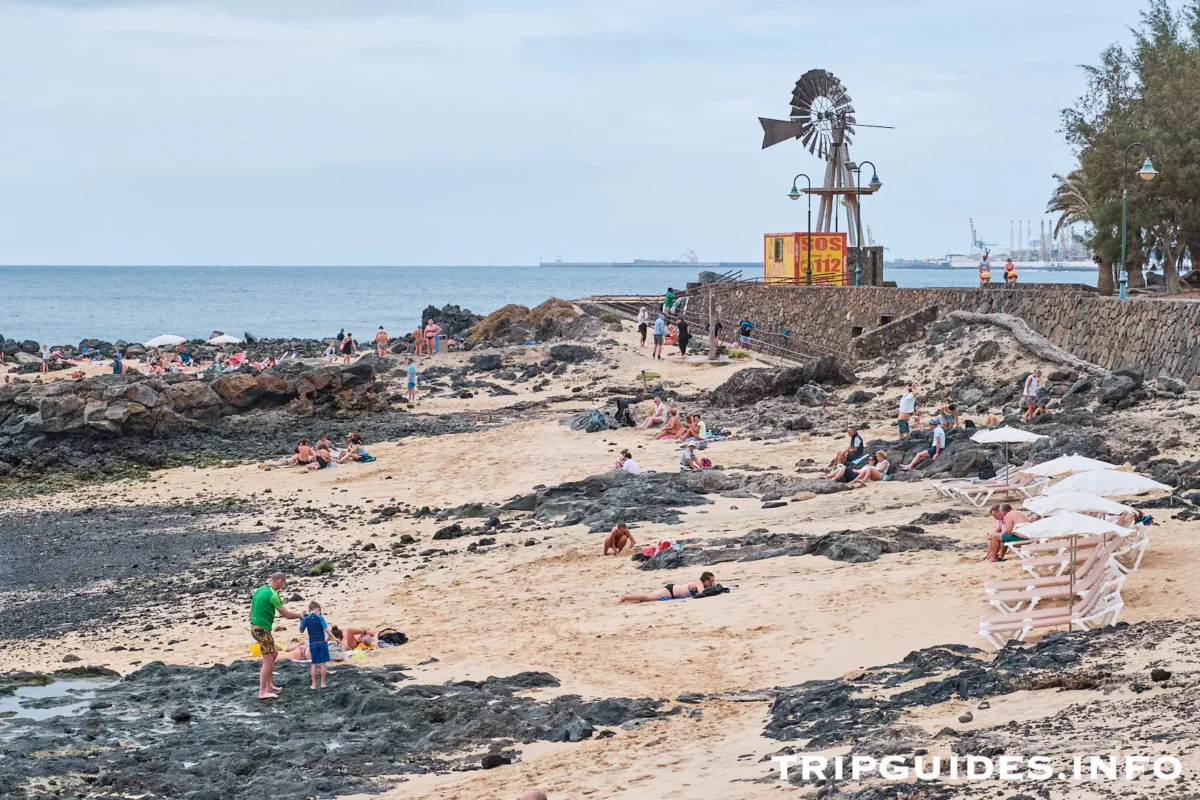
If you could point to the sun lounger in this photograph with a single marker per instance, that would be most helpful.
(1022, 584)
(1100, 606)
(980, 494)
(947, 486)
(1012, 600)
(1053, 556)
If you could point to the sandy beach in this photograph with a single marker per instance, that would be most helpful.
(539, 597)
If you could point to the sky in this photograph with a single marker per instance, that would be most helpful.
(455, 132)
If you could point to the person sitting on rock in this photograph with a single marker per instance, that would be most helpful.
(672, 427)
(1007, 518)
(854, 448)
(303, 455)
(673, 591)
(935, 449)
(658, 415)
(875, 470)
(949, 415)
(1036, 411)
(618, 538)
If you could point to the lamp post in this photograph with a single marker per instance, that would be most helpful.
(795, 195)
(1146, 173)
(874, 184)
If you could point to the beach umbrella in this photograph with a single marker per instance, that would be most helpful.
(166, 340)
(1006, 436)
(1049, 504)
(1107, 483)
(1069, 524)
(224, 338)
(1067, 465)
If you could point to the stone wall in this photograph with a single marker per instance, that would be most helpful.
(1154, 336)
(879, 341)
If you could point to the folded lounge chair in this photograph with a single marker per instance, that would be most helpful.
(1100, 606)
(1018, 595)
(979, 495)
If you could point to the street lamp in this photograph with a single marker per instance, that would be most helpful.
(795, 195)
(874, 184)
(1146, 173)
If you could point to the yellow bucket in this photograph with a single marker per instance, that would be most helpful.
(256, 650)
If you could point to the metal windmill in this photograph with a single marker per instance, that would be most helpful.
(823, 120)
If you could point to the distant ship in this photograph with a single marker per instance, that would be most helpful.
(688, 259)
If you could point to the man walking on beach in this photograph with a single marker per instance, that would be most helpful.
(381, 340)
(908, 405)
(341, 335)
(660, 333)
(1030, 391)
(263, 605)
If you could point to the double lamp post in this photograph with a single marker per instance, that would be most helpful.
(874, 184)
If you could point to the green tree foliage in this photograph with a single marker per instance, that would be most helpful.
(1149, 93)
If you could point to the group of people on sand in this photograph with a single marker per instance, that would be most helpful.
(666, 334)
(323, 454)
(317, 649)
(690, 427)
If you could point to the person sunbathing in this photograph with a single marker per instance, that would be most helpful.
(875, 470)
(672, 427)
(844, 472)
(1007, 518)
(618, 538)
(673, 591)
(658, 415)
(353, 637)
(356, 449)
(672, 335)
(303, 455)
(692, 430)
(321, 459)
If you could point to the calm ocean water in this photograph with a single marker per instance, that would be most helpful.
(62, 305)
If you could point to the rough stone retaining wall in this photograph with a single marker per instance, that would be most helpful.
(1154, 336)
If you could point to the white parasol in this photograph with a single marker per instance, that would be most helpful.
(1006, 436)
(166, 340)
(1067, 465)
(224, 338)
(1107, 483)
(1069, 524)
(1049, 504)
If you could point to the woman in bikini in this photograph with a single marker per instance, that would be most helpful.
(673, 591)
(657, 416)
(303, 455)
(356, 449)
(672, 428)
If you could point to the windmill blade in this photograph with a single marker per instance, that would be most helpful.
(887, 127)
(777, 130)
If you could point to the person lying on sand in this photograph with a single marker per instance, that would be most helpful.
(673, 590)
(1007, 518)
(658, 415)
(303, 455)
(875, 470)
(672, 427)
(353, 637)
(618, 538)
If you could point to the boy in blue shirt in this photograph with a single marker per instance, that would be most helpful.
(318, 649)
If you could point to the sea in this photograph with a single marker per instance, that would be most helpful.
(65, 304)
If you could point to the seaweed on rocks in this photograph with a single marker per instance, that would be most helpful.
(196, 733)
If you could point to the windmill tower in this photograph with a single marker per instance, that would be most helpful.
(823, 120)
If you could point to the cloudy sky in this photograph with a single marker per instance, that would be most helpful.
(472, 132)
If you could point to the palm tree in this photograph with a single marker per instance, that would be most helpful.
(1072, 201)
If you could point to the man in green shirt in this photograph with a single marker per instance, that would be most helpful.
(263, 604)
